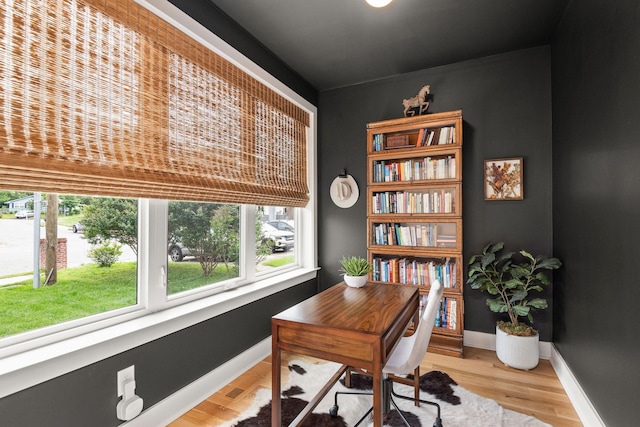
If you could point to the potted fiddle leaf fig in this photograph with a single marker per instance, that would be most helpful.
(355, 270)
(513, 281)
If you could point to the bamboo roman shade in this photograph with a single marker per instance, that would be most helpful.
(105, 98)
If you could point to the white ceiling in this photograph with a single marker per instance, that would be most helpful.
(336, 43)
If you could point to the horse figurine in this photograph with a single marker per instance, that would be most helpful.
(419, 101)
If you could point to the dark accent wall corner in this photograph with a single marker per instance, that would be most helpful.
(596, 203)
(506, 103)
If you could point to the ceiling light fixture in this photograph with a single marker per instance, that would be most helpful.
(378, 3)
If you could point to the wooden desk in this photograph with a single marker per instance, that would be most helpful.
(357, 327)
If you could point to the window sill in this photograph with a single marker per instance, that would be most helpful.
(29, 368)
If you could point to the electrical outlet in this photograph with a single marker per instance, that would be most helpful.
(125, 375)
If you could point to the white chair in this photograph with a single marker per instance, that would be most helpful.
(405, 359)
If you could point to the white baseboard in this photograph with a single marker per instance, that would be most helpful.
(174, 406)
(185, 399)
(581, 403)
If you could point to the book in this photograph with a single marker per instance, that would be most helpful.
(420, 140)
(397, 141)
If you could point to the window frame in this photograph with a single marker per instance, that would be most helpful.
(27, 363)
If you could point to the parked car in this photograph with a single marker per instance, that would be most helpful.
(282, 225)
(177, 251)
(280, 239)
(77, 227)
(24, 214)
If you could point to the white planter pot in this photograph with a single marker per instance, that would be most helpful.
(517, 352)
(355, 281)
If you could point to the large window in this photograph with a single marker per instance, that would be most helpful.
(100, 242)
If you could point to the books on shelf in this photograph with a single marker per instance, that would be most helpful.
(419, 169)
(425, 137)
(414, 202)
(421, 235)
(447, 316)
(411, 271)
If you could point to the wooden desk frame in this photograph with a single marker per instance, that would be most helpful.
(357, 327)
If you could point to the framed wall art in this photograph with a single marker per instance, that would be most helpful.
(503, 179)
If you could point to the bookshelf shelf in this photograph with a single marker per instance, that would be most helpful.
(414, 213)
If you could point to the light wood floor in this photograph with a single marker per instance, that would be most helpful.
(537, 392)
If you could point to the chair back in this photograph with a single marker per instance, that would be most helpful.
(421, 337)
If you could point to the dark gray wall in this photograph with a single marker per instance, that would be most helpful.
(506, 103)
(87, 396)
(596, 202)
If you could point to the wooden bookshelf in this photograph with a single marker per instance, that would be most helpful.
(414, 212)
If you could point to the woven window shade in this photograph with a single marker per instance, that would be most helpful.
(105, 98)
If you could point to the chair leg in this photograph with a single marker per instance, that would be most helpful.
(393, 402)
(333, 411)
(388, 388)
(437, 422)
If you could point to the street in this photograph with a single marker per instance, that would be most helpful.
(16, 247)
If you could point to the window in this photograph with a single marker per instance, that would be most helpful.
(93, 272)
(101, 249)
(275, 237)
(204, 244)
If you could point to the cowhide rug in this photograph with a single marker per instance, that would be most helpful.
(459, 407)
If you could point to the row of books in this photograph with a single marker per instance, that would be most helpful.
(426, 137)
(425, 235)
(447, 316)
(438, 136)
(414, 169)
(414, 272)
(413, 202)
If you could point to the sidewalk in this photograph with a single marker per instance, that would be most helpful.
(16, 279)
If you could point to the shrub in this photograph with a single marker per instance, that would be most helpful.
(106, 254)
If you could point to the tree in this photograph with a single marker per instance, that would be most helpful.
(225, 228)
(69, 204)
(106, 219)
(51, 251)
(191, 224)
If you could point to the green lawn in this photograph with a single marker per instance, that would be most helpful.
(69, 220)
(279, 262)
(84, 291)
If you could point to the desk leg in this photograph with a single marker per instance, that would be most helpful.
(377, 397)
(276, 410)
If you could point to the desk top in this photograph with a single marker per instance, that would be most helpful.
(370, 309)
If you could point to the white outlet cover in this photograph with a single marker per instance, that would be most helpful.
(124, 375)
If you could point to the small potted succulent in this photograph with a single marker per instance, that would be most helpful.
(510, 281)
(355, 270)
